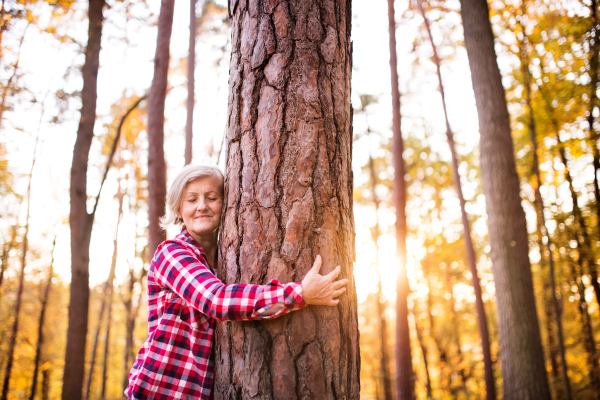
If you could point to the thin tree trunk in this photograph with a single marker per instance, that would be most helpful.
(540, 208)
(15, 326)
(157, 174)
(190, 84)
(455, 323)
(3, 27)
(107, 292)
(131, 314)
(381, 302)
(40, 342)
(80, 221)
(470, 250)
(594, 44)
(8, 86)
(521, 353)
(421, 339)
(441, 351)
(106, 347)
(45, 384)
(405, 386)
(588, 336)
(288, 190)
(6, 248)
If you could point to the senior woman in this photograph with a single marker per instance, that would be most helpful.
(185, 297)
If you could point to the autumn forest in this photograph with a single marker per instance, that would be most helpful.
(443, 153)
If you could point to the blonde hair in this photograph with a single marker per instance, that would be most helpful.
(174, 195)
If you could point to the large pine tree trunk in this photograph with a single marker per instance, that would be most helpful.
(405, 386)
(191, 64)
(80, 221)
(523, 368)
(157, 174)
(470, 250)
(288, 198)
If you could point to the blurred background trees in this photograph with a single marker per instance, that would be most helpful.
(547, 57)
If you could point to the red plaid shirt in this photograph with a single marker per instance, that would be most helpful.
(184, 300)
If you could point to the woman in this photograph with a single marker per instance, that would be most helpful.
(185, 297)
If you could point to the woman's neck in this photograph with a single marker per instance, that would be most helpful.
(209, 244)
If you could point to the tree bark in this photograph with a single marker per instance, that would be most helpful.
(157, 174)
(7, 246)
(521, 353)
(405, 386)
(191, 64)
(381, 302)
(288, 198)
(40, 342)
(490, 384)
(80, 221)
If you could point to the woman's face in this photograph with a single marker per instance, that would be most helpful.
(201, 206)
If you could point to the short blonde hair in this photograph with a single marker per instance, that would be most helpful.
(175, 194)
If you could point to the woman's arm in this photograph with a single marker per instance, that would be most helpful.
(177, 268)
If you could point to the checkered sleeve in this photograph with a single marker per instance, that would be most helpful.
(179, 269)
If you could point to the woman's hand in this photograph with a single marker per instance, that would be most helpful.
(322, 290)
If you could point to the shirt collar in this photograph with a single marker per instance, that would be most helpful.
(185, 236)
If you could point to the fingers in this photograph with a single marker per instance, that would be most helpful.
(338, 292)
(317, 265)
(340, 283)
(334, 274)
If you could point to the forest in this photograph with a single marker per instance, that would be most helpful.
(444, 153)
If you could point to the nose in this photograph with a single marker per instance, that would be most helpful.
(202, 204)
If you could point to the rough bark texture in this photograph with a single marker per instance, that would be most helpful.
(405, 386)
(157, 174)
(191, 64)
(594, 45)
(288, 197)
(80, 221)
(490, 385)
(521, 353)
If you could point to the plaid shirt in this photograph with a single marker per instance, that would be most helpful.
(184, 300)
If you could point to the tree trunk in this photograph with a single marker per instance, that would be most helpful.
(540, 208)
(441, 351)
(454, 317)
(157, 174)
(521, 353)
(381, 302)
(288, 198)
(7, 246)
(15, 326)
(106, 347)
(481, 316)
(190, 84)
(80, 221)
(421, 339)
(45, 384)
(40, 342)
(405, 386)
(131, 314)
(594, 44)
(106, 293)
